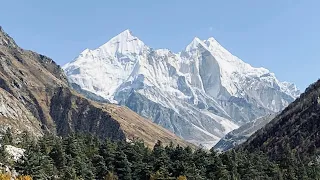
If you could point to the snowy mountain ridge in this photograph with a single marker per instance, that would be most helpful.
(200, 94)
(240, 135)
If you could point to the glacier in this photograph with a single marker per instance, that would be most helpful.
(200, 94)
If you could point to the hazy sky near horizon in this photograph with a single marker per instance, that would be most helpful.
(280, 35)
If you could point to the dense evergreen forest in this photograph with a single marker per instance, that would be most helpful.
(86, 157)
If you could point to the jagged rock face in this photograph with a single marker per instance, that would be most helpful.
(240, 135)
(75, 114)
(296, 128)
(6, 40)
(200, 94)
(15, 114)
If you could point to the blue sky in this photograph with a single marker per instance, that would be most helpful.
(281, 35)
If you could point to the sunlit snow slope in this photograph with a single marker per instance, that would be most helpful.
(200, 94)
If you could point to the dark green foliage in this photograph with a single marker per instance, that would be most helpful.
(36, 163)
(7, 138)
(108, 150)
(100, 167)
(3, 154)
(25, 139)
(85, 157)
(122, 166)
(58, 155)
(160, 160)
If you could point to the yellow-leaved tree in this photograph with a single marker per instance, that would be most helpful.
(24, 178)
(182, 178)
(5, 177)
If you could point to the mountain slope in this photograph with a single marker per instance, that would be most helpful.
(200, 94)
(35, 97)
(297, 128)
(137, 127)
(240, 135)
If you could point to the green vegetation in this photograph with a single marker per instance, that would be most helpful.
(86, 157)
(292, 139)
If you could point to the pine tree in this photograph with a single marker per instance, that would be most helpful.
(181, 157)
(221, 171)
(58, 155)
(3, 154)
(72, 146)
(36, 164)
(77, 158)
(92, 144)
(193, 173)
(201, 161)
(83, 167)
(101, 170)
(138, 157)
(160, 160)
(26, 139)
(7, 138)
(70, 173)
(29, 164)
(141, 170)
(47, 167)
(108, 151)
(122, 166)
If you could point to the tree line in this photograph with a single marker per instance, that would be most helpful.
(86, 157)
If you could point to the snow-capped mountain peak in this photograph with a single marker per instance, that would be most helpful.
(200, 94)
(212, 42)
(291, 89)
(85, 52)
(195, 44)
(123, 43)
(104, 69)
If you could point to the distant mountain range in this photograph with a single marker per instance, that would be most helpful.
(200, 93)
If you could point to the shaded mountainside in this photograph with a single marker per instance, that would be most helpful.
(35, 97)
(74, 113)
(295, 128)
(240, 135)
